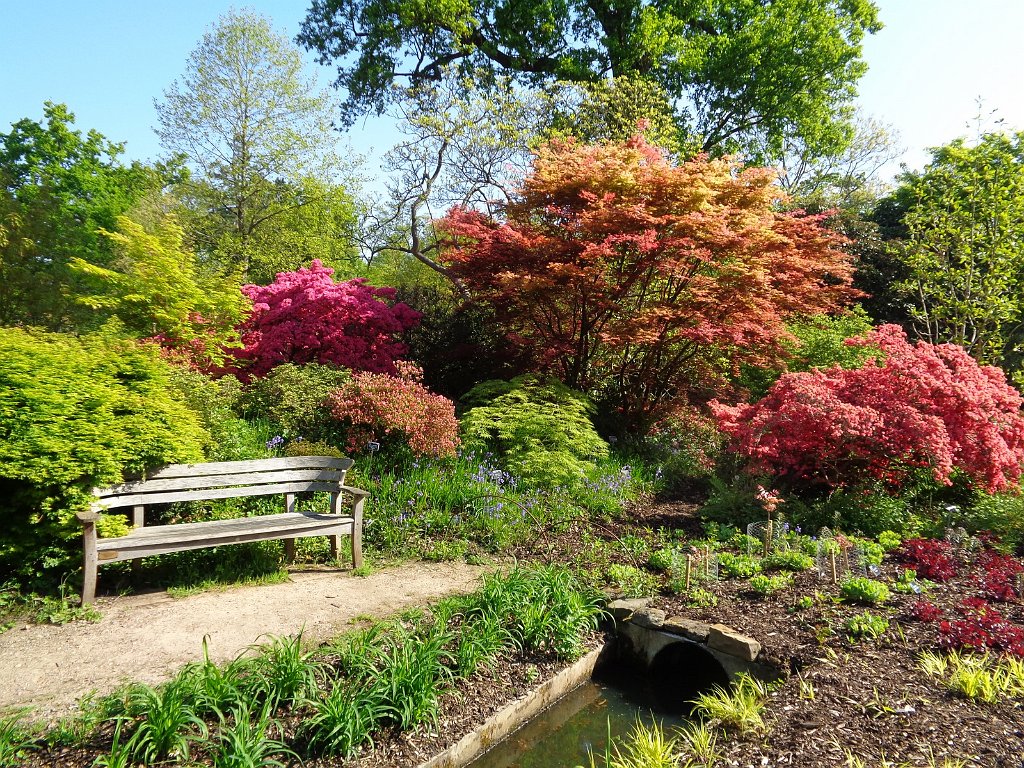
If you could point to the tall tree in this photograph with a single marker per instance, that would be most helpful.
(253, 128)
(628, 276)
(964, 247)
(58, 187)
(775, 68)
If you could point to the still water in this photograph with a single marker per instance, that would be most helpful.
(563, 735)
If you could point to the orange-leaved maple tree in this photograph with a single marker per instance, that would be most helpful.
(634, 279)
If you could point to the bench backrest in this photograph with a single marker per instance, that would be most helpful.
(225, 480)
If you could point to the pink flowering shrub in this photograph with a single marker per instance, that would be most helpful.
(306, 317)
(923, 405)
(395, 411)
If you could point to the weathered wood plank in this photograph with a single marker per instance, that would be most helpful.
(205, 494)
(220, 481)
(164, 539)
(255, 465)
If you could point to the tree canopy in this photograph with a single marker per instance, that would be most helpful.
(737, 68)
(258, 135)
(629, 276)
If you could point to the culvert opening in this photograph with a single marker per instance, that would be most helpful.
(682, 671)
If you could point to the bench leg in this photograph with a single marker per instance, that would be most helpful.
(335, 547)
(91, 562)
(289, 551)
(357, 532)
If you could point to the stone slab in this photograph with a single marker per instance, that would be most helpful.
(688, 628)
(652, 618)
(727, 640)
(623, 609)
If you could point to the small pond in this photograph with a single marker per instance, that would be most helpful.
(560, 736)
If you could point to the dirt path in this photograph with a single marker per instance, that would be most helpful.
(149, 637)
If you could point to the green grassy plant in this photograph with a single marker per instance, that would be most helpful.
(632, 581)
(737, 708)
(16, 740)
(409, 676)
(168, 722)
(282, 672)
(700, 741)
(343, 720)
(643, 747)
(243, 741)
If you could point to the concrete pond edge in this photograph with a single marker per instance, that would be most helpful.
(514, 716)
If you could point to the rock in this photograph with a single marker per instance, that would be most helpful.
(728, 640)
(652, 618)
(688, 628)
(623, 609)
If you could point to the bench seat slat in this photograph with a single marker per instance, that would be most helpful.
(192, 482)
(159, 540)
(166, 497)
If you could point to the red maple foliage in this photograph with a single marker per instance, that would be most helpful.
(924, 405)
(306, 317)
(632, 278)
(395, 412)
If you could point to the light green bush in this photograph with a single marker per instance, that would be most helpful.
(539, 429)
(75, 413)
(292, 397)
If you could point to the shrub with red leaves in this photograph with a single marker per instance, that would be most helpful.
(999, 576)
(982, 627)
(923, 610)
(395, 412)
(306, 317)
(925, 405)
(930, 558)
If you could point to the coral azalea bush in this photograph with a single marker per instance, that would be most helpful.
(306, 317)
(923, 405)
(395, 411)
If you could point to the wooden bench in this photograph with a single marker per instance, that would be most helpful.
(224, 480)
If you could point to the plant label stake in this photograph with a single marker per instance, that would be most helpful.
(689, 565)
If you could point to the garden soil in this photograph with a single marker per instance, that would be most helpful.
(148, 637)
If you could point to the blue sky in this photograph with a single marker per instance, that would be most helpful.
(108, 60)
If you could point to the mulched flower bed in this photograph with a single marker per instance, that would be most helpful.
(841, 697)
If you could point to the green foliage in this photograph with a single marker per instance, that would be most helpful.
(58, 187)
(257, 134)
(216, 402)
(343, 720)
(643, 747)
(867, 511)
(168, 722)
(889, 540)
(818, 342)
(540, 429)
(807, 55)
(1000, 513)
(76, 413)
(865, 624)
(738, 708)
(697, 597)
(156, 288)
(632, 581)
(738, 566)
(788, 560)
(767, 585)
(963, 222)
(865, 591)
(293, 397)
(243, 742)
(15, 741)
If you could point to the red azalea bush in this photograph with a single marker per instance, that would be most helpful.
(306, 317)
(930, 558)
(388, 410)
(924, 405)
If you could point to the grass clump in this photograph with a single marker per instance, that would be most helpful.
(738, 708)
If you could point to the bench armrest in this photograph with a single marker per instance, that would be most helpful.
(87, 516)
(358, 492)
